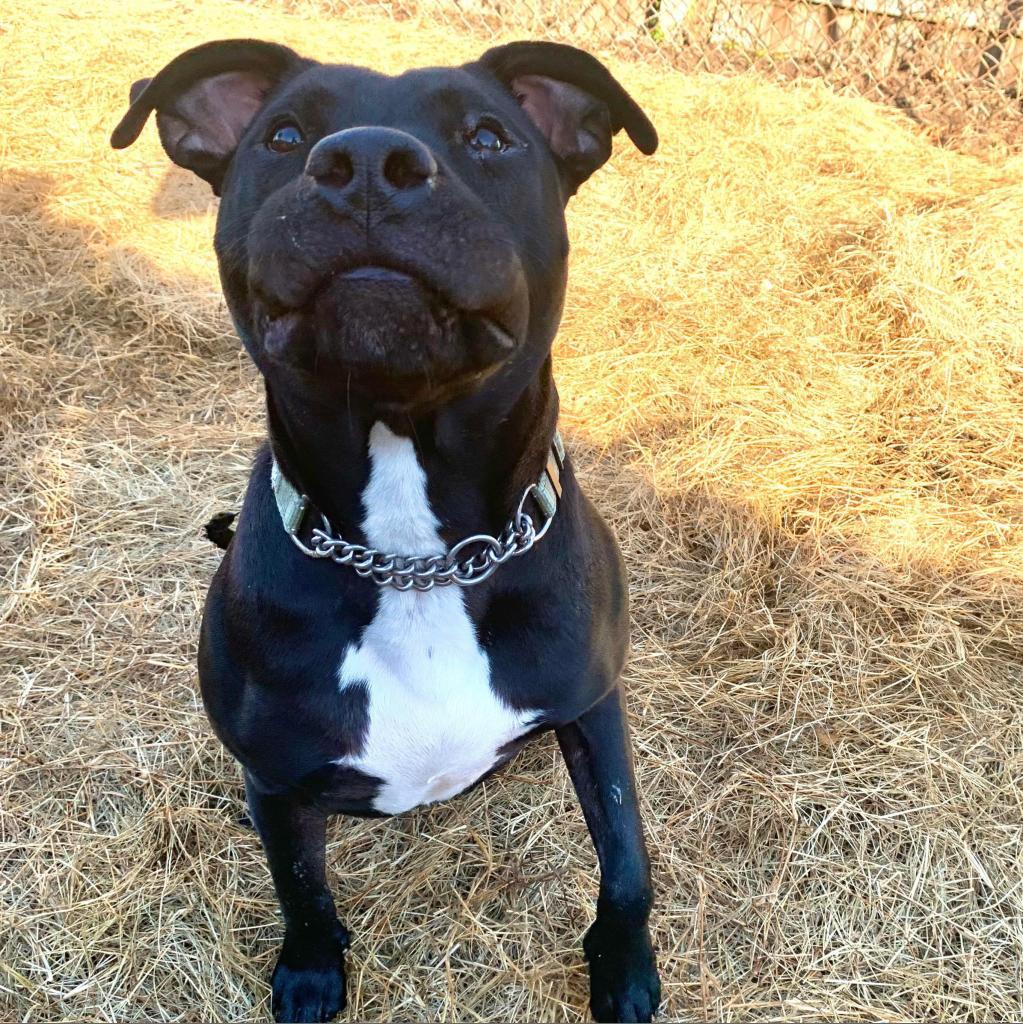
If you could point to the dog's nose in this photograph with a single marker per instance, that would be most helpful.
(358, 165)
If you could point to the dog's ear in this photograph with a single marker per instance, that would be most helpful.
(573, 99)
(204, 100)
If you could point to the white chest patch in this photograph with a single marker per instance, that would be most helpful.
(435, 724)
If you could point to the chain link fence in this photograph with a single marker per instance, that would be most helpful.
(955, 66)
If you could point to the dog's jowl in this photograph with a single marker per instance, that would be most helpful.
(416, 585)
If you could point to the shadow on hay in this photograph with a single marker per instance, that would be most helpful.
(66, 284)
(181, 194)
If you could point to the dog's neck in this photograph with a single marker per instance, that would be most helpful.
(479, 453)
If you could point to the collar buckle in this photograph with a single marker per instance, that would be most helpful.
(291, 505)
(546, 492)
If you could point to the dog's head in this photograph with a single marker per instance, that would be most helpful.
(402, 236)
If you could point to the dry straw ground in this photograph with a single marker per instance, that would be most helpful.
(792, 367)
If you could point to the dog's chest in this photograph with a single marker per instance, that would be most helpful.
(434, 723)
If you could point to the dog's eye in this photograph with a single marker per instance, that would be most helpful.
(285, 138)
(487, 138)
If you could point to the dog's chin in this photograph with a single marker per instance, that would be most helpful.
(389, 337)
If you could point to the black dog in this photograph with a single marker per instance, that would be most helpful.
(393, 252)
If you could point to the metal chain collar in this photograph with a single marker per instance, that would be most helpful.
(469, 562)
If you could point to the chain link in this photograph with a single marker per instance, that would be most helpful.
(469, 562)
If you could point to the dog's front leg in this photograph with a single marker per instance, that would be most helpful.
(309, 979)
(623, 971)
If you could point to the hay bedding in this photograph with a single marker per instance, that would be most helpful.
(791, 368)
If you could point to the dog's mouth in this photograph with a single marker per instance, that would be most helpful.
(280, 323)
(388, 331)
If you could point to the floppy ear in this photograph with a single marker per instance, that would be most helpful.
(574, 100)
(204, 100)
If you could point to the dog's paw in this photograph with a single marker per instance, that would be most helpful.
(309, 984)
(624, 985)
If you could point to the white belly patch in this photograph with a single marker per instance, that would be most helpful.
(435, 723)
